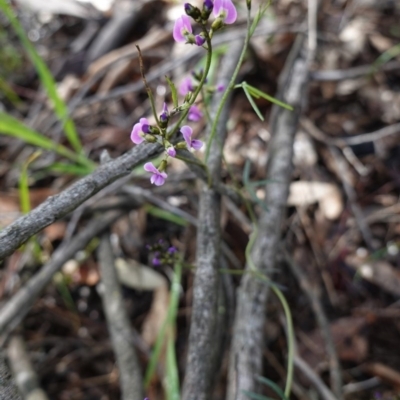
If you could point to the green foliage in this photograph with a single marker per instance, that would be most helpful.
(164, 335)
(12, 127)
(251, 91)
(174, 92)
(46, 78)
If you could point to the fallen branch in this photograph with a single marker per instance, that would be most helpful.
(248, 333)
(18, 306)
(56, 207)
(203, 338)
(118, 324)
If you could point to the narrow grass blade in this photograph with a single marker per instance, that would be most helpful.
(174, 92)
(256, 92)
(273, 386)
(65, 168)
(23, 186)
(12, 127)
(168, 216)
(169, 320)
(171, 381)
(46, 78)
(253, 104)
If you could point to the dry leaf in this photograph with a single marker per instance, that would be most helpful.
(138, 276)
(328, 196)
(379, 272)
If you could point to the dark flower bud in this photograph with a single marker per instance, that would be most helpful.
(200, 39)
(192, 11)
(208, 6)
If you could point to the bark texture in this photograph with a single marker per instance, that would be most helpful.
(248, 333)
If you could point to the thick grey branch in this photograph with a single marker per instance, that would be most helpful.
(203, 335)
(118, 324)
(8, 389)
(56, 207)
(248, 334)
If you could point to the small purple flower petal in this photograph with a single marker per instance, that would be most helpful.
(187, 133)
(182, 26)
(220, 87)
(208, 4)
(186, 86)
(172, 250)
(171, 151)
(200, 40)
(141, 127)
(149, 167)
(195, 114)
(197, 144)
(226, 10)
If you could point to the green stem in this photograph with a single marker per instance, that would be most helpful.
(229, 88)
(199, 87)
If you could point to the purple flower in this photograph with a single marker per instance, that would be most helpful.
(171, 151)
(182, 28)
(186, 86)
(172, 250)
(200, 40)
(195, 114)
(187, 133)
(226, 10)
(141, 127)
(158, 178)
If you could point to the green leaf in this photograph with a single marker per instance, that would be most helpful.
(256, 92)
(273, 386)
(253, 104)
(171, 381)
(12, 127)
(174, 93)
(170, 320)
(46, 78)
(163, 214)
(23, 185)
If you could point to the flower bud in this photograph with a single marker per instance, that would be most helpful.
(217, 24)
(200, 39)
(208, 6)
(163, 166)
(181, 145)
(192, 11)
(150, 138)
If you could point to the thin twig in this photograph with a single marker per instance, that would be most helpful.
(18, 306)
(118, 324)
(322, 389)
(21, 366)
(314, 299)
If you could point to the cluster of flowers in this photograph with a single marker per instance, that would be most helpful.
(225, 13)
(163, 254)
